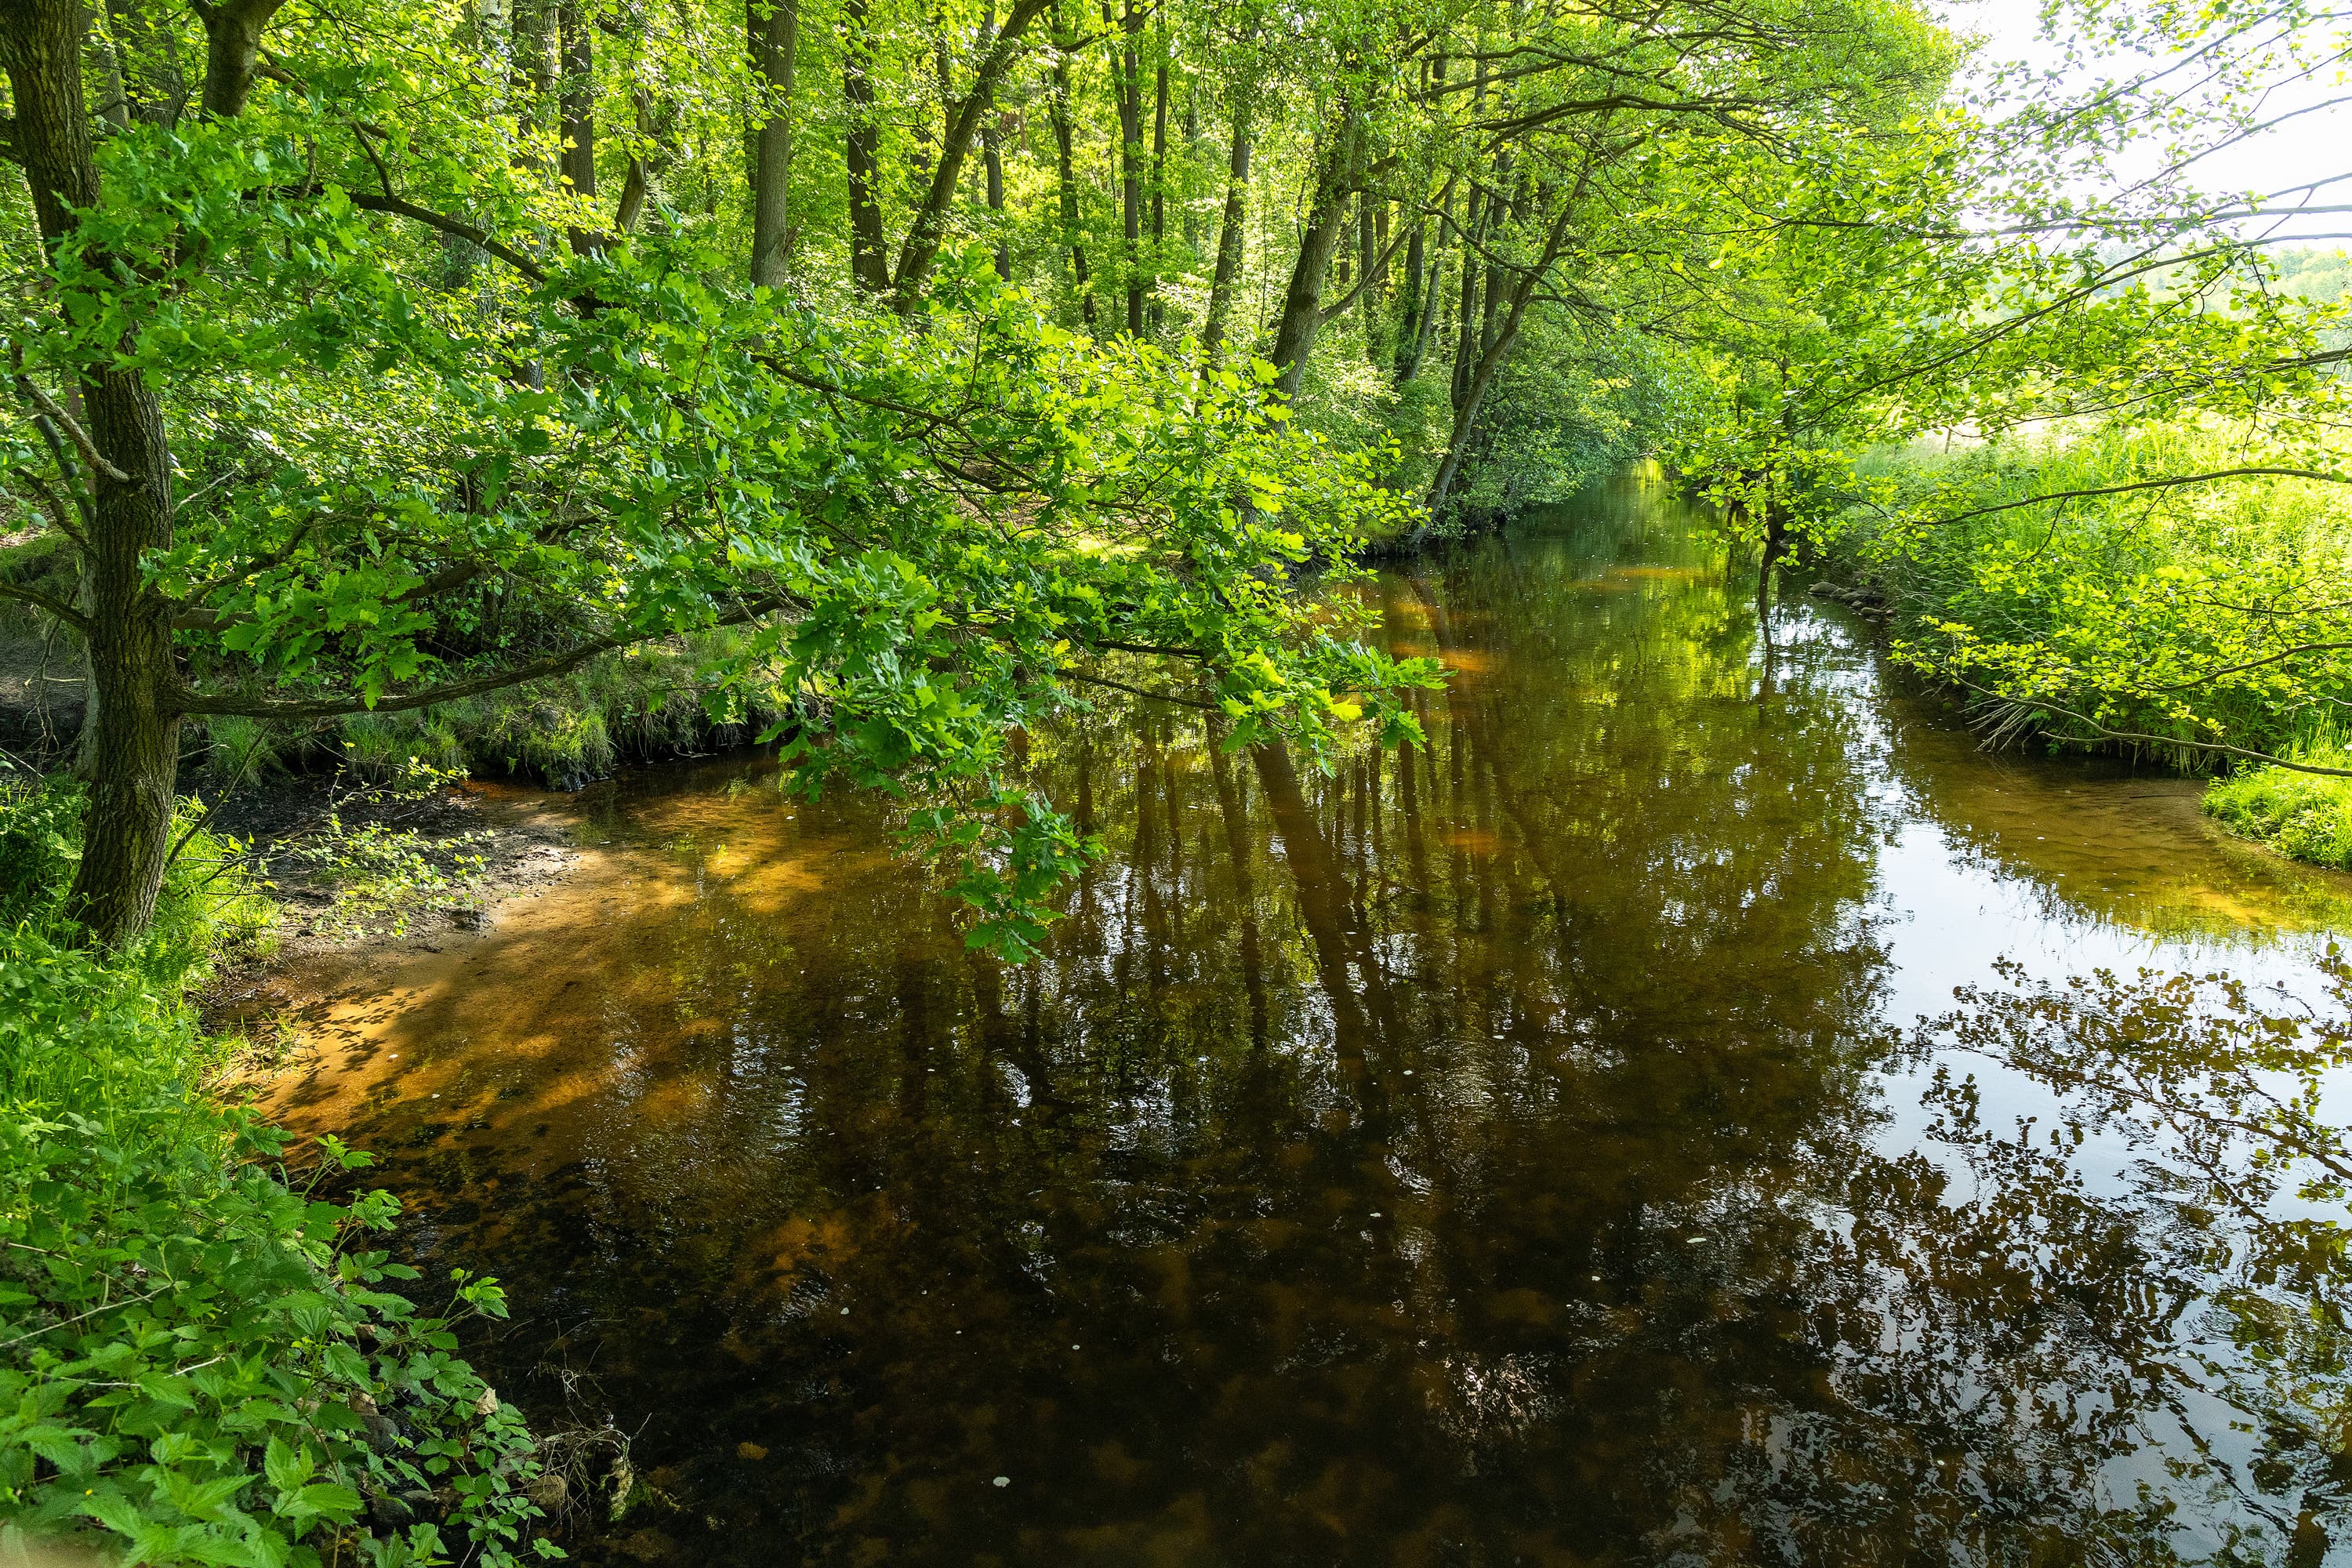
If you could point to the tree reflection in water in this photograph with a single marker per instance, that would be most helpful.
(1475, 1155)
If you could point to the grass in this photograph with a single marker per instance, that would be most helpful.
(2307, 816)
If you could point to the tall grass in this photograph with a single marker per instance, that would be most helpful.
(2151, 620)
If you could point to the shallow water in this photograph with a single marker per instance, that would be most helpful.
(1514, 1150)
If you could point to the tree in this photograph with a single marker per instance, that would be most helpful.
(309, 477)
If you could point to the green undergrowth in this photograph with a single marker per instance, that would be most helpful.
(2160, 622)
(644, 702)
(2307, 816)
(203, 1360)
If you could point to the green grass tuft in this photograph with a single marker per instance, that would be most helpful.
(2307, 816)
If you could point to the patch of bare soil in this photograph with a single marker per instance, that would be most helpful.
(485, 846)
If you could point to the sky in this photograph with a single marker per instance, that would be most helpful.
(2315, 147)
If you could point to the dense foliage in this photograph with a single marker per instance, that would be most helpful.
(205, 1362)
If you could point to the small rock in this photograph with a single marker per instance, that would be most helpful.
(1826, 591)
(1001, 1481)
(382, 1433)
(548, 1493)
(390, 1513)
(751, 1451)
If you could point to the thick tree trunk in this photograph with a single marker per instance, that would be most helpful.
(134, 752)
(869, 266)
(577, 163)
(1231, 236)
(775, 29)
(233, 32)
(1302, 302)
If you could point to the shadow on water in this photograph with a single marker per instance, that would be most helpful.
(1513, 1148)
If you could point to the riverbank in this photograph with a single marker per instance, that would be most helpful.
(210, 1358)
(2200, 631)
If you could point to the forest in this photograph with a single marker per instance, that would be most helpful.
(521, 388)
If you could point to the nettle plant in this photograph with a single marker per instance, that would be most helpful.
(204, 1362)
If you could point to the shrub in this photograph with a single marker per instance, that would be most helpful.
(199, 1363)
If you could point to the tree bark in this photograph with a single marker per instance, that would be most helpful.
(992, 159)
(577, 162)
(1302, 302)
(1465, 320)
(232, 52)
(135, 749)
(1409, 324)
(1063, 134)
(775, 29)
(869, 264)
(1128, 86)
(1231, 236)
(1158, 180)
(1433, 301)
(929, 231)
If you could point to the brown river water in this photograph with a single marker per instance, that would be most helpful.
(1513, 1150)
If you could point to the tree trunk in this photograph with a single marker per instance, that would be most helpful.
(1159, 179)
(1466, 319)
(1302, 302)
(136, 751)
(991, 160)
(577, 162)
(928, 232)
(1063, 132)
(233, 53)
(1231, 236)
(1128, 85)
(869, 266)
(1408, 358)
(1432, 302)
(775, 31)
(536, 73)
(992, 166)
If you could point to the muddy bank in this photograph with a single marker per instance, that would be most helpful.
(500, 846)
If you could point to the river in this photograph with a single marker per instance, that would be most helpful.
(1523, 1148)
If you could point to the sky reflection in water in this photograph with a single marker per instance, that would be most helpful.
(1513, 1151)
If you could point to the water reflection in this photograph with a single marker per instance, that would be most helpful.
(1506, 1149)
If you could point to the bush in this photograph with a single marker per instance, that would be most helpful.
(2157, 613)
(198, 1364)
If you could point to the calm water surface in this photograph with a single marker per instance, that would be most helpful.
(1514, 1150)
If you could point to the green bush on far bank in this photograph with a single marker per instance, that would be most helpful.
(200, 1361)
